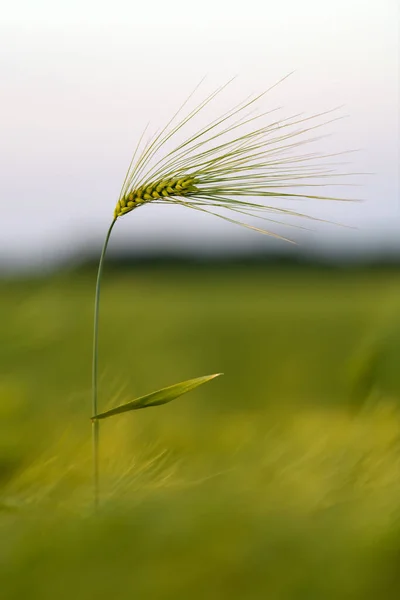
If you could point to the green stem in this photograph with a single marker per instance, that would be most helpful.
(95, 361)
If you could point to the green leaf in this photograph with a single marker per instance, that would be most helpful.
(162, 396)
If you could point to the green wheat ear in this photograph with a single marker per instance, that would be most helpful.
(236, 162)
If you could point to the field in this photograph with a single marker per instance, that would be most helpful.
(279, 480)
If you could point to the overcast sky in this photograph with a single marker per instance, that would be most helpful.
(79, 80)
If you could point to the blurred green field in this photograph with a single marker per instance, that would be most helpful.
(275, 481)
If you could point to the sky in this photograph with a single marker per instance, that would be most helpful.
(80, 79)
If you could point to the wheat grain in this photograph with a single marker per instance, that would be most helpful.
(182, 187)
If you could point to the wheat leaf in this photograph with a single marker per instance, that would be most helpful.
(162, 396)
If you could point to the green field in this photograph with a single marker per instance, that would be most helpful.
(275, 481)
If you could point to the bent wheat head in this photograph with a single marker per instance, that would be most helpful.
(234, 162)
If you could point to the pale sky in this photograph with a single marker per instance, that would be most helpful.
(80, 79)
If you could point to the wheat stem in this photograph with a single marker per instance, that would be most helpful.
(95, 360)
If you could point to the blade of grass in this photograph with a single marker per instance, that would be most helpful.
(162, 396)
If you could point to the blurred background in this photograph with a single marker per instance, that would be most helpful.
(279, 479)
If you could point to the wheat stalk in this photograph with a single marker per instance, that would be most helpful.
(236, 162)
